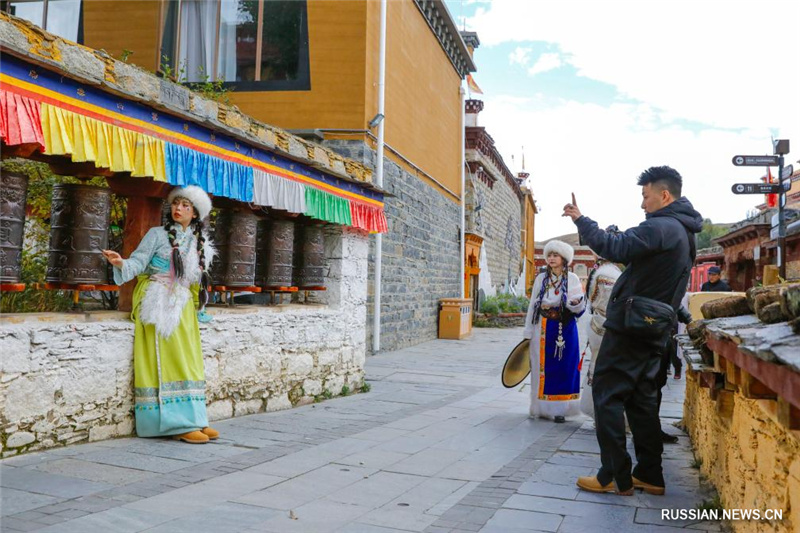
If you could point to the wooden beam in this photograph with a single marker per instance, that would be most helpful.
(725, 403)
(20, 150)
(788, 414)
(122, 185)
(86, 170)
(142, 213)
(755, 390)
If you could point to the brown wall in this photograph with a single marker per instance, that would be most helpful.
(115, 26)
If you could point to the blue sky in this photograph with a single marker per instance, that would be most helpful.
(597, 91)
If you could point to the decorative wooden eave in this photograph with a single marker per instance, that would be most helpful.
(26, 41)
(480, 151)
(744, 234)
(446, 31)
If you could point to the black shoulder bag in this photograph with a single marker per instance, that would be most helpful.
(646, 318)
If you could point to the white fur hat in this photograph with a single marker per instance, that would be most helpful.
(196, 195)
(561, 248)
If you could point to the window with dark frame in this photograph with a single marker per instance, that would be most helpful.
(60, 17)
(250, 45)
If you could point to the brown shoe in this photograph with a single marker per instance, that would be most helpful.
(212, 434)
(193, 437)
(591, 484)
(648, 488)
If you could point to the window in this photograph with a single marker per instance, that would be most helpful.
(251, 45)
(61, 17)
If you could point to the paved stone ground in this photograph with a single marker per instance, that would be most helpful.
(437, 445)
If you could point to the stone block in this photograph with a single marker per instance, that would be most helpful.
(30, 397)
(312, 387)
(299, 365)
(248, 407)
(82, 63)
(278, 403)
(174, 96)
(16, 352)
(19, 439)
(205, 109)
(137, 82)
(220, 410)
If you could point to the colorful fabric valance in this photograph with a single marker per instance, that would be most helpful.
(20, 121)
(87, 124)
(212, 174)
(107, 146)
(368, 217)
(325, 206)
(279, 193)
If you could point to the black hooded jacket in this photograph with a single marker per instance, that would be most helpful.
(658, 253)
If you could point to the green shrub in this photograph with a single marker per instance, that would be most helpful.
(504, 303)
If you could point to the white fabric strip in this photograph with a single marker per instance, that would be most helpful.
(280, 193)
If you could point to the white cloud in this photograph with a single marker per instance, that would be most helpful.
(521, 55)
(598, 153)
(727, 64)
(546, 62)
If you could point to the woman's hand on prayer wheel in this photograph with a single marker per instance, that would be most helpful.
(113, 257)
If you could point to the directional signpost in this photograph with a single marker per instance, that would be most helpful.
(780, 147)
(755, 188)
(756, 160)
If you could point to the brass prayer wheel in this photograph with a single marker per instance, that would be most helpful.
(79, 219)
(309, 257)
(13, 199)
(235, 239)
(275, 253)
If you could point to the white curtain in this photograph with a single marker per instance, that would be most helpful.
(229, 20)
(198, 36)
(280, 193)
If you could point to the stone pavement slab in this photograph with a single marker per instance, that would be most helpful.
(437, 445)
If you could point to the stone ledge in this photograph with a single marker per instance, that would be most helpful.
(96, 67)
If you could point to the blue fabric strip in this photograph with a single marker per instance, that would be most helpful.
(212, 174)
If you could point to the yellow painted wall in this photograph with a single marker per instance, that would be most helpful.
(337, 60)
(752, 461)
(115, 26)
(423, 104)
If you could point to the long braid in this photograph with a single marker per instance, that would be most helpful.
(563, 307)
(177, 261)
(205, 280)
(537, 306)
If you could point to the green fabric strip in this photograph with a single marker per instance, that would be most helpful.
(328, 207)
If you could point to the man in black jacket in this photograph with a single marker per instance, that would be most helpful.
(715, 283)
(658, 254)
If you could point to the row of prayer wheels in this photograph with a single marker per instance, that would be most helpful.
(266, 253)
(251, 251)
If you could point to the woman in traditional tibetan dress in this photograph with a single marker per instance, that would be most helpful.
(557, 300)
(169, 377)
(598, 292)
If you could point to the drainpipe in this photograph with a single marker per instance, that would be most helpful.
(463, 195)
(376, 313)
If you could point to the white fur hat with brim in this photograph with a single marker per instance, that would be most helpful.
(196, 195)
(561, 248)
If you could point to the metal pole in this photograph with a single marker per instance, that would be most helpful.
(462, 257)
(376, 312)
(781, 223)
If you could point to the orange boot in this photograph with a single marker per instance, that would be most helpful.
(211, 433)
(193, 437)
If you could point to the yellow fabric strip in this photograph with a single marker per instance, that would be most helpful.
(108, 146)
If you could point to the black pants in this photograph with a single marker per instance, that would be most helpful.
(670, 356)
(625, 381)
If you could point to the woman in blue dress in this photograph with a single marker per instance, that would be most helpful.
(557, 300)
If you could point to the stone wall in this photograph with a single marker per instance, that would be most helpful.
(496, 215)
(420, 253)
(752, 461)
(69, 378)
